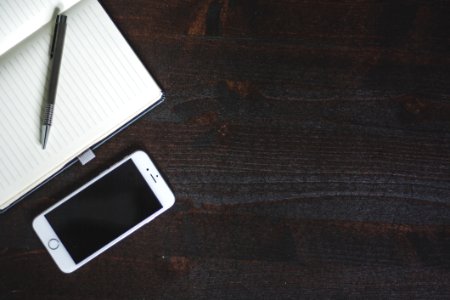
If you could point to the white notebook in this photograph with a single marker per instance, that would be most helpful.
(102, 86)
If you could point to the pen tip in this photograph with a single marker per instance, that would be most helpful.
(44, 135)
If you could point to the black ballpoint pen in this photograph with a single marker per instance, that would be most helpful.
(55, 59)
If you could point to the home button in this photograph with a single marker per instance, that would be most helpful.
(53, 244)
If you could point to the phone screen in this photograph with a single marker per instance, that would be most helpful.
(103, 211)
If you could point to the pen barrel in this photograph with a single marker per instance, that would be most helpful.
(56, 56)
(48, 114)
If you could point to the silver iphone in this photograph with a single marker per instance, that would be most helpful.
(103, 211)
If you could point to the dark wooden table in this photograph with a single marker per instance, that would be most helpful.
(308, 145)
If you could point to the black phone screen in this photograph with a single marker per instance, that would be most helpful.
(103, 211)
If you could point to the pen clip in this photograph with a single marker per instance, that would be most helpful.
(55, 32)
(59, 20)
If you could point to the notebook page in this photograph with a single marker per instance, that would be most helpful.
(102, 86)
(20, 18)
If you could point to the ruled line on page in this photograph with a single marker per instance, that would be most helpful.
(21, 18)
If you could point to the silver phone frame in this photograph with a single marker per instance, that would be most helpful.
(153, 178)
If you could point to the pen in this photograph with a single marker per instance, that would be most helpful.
(55, 59)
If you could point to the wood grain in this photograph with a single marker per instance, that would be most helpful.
(307, 143)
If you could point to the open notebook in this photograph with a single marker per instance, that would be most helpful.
(102, 87)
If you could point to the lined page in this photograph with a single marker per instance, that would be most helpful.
(102, 86)
(20, 18)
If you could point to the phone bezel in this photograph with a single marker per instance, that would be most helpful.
(157, 184)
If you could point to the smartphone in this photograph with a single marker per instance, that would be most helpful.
(103, 211)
